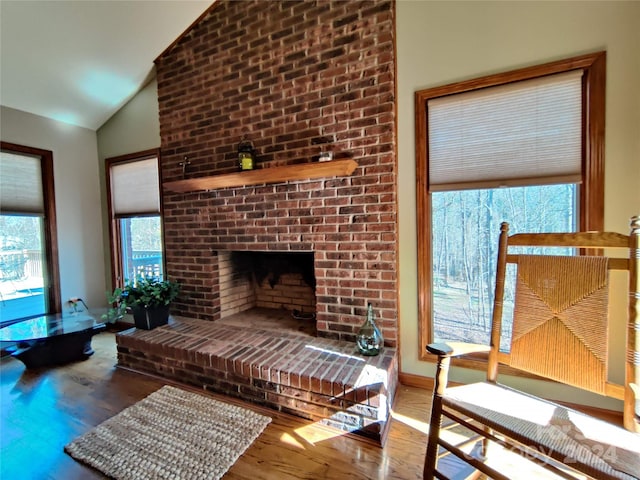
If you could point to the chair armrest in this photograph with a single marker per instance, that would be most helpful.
(456, 349)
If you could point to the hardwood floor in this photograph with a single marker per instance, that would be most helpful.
(42, 410)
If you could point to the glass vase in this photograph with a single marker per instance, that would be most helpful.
(369, 338)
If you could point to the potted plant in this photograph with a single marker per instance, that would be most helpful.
(148, 298)
(117, 306)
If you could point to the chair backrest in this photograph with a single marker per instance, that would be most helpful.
(561, 305)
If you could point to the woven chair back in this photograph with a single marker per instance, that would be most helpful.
(560, 319)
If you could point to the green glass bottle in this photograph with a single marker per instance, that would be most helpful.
(369, 337)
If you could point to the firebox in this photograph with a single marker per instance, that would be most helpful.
(273, 283)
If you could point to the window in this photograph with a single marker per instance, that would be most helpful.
(29, 278)
(134, 206)
(524, 147)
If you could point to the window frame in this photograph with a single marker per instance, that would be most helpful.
(591, 201)
(115, 247)
(54, 297)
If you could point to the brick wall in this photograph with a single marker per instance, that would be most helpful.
(290, 293)
(237, 291)
(297, 78)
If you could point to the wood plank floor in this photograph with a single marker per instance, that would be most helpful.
(42, 410)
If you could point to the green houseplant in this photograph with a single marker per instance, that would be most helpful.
(147, 297)
(117, 306)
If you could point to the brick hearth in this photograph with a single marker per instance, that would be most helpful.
(315, 378)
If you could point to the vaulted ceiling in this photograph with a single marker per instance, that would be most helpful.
(80, 61)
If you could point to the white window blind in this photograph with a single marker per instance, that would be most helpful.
(21, 184)
(515, 134)
(134, 187)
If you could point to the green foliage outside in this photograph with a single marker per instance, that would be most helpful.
(146, 233)
(24, 230)
(466, 226)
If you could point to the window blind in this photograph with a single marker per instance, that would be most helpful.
(522, 133)
(135, 187)
(21, 184)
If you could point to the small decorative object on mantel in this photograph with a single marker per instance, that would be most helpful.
(246, 154)
(184, 164)
(369, 337)
(326, 156)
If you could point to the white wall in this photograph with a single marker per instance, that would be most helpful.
(77, 196)
(444, 42)
(135, 127)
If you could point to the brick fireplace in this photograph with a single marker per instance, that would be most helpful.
(296, 78)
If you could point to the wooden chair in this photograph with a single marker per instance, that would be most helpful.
(559, 332)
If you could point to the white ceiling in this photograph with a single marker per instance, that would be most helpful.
(80, 61)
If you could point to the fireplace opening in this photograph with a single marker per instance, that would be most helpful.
(274, 290)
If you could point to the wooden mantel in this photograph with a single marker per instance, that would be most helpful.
(303, 171)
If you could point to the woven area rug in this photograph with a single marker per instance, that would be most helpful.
(171, 434)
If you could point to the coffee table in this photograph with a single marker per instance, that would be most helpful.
(52, 339)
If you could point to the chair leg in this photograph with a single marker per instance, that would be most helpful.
(484, 451)
(435, 422)
(431, 457)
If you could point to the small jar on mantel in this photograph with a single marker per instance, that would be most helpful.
(369, 338)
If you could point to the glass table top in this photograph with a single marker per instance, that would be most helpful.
(47, 326)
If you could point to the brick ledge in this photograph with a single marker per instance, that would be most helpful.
(318, 379)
